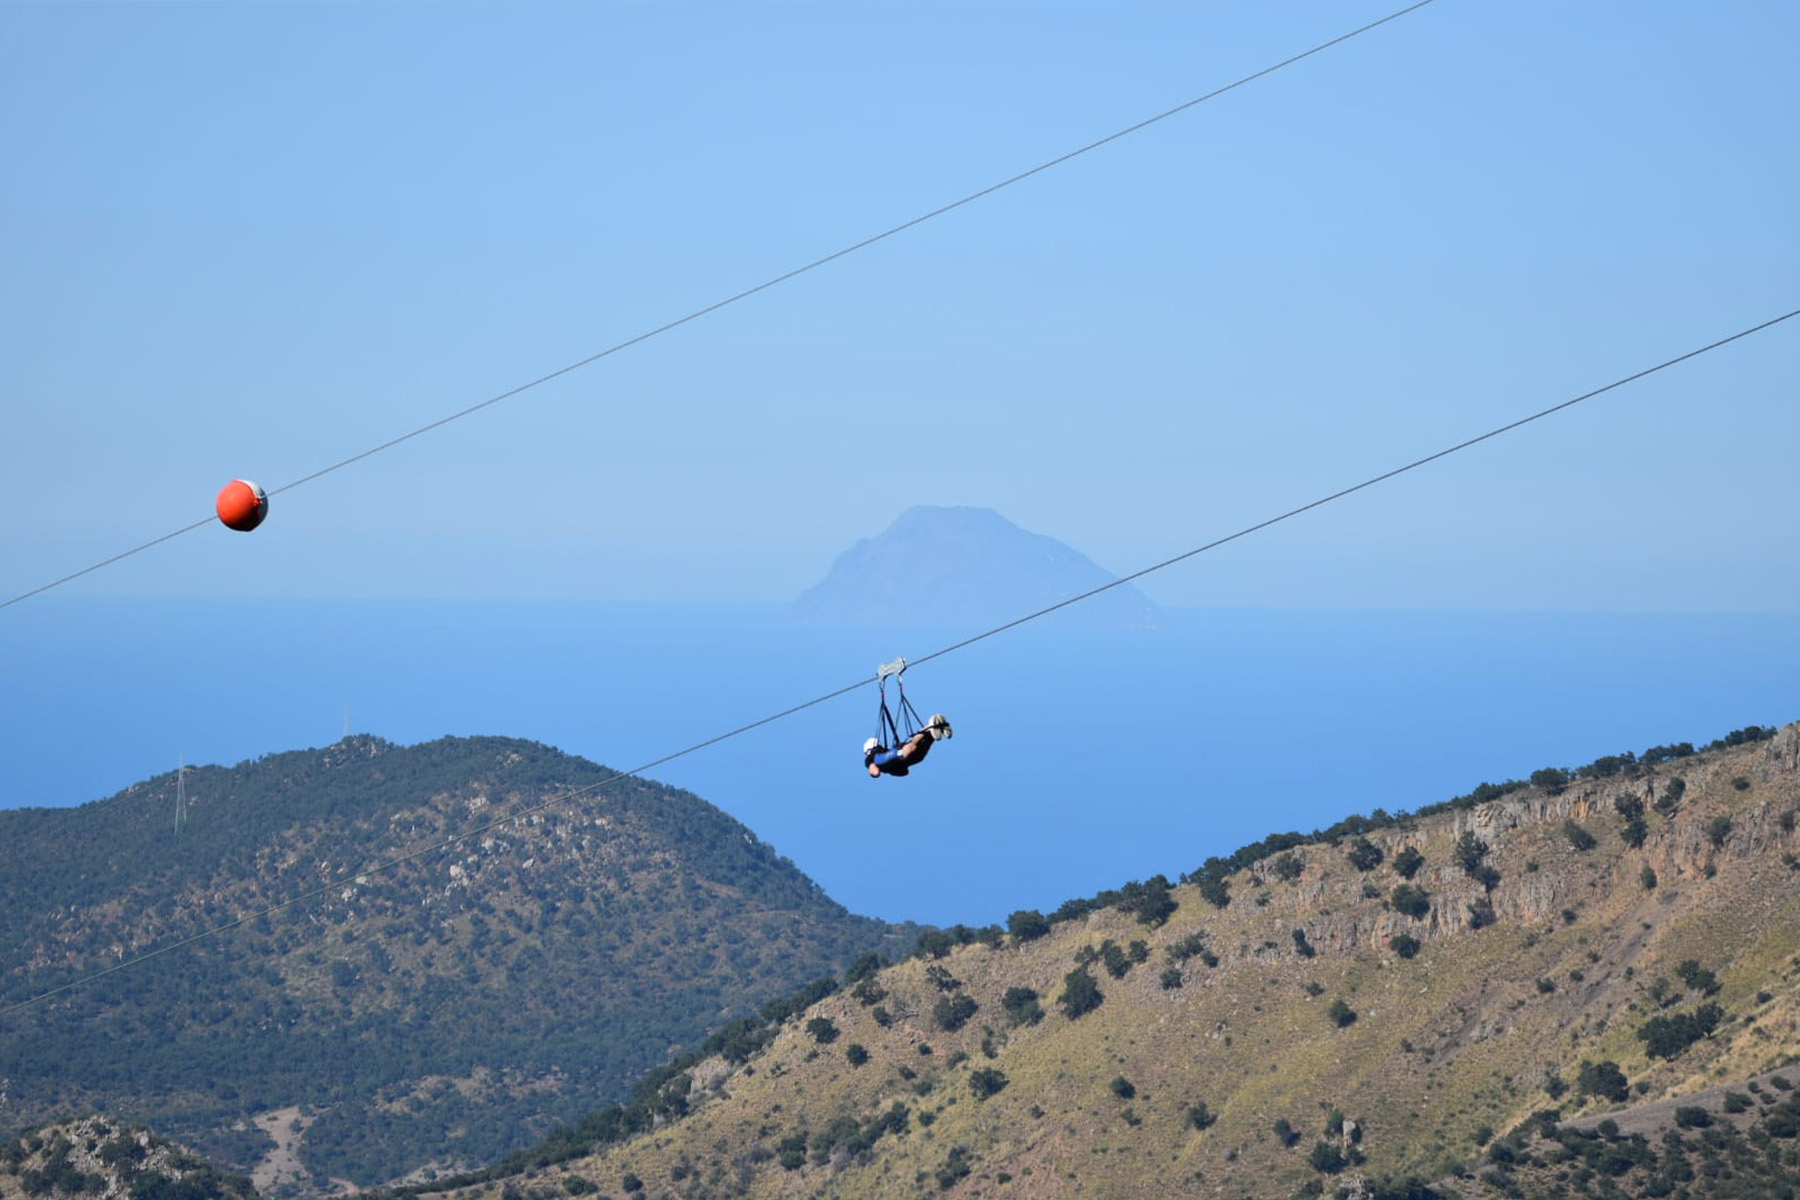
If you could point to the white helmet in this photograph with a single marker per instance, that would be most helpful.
(871, 745)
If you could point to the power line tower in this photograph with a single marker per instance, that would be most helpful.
(181, 795)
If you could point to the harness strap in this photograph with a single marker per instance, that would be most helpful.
(908, 716)
(886, 731)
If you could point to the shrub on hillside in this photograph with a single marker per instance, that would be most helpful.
(865, 966)
(1021, 1005)
(1748, 735)
(1579, 838)
(1647, 877)
(1288, 867)
(1717, 830)
(988, 1081)
(1341, 1014)
(1408, 862)
(1327, 1159)
(1603, 1079)
(1634, 831)
(1027, 925)
(1412, 901)
(1149, 901)
(1668, 1037)
(1550, 779)
(1211, 880)
(1194, 944)
(1697, 977)
(956, 1167)
(1470, 852)
(1608, 765)
(953, 1012)
(934, 943)
(1199, 1116)
(1670, 800)
(1782, 1122)
(1081, 995)
(1363, 854)
(1404, 944)
(1072, 910)
(823, 1030)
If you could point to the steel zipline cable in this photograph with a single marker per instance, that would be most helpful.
(572, 796)
(751, 291)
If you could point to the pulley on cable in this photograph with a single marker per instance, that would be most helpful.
(901, 740)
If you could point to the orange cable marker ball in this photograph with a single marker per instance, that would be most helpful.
(243, 505)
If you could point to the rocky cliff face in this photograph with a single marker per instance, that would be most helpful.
(96, 1156)
(1308, 1033)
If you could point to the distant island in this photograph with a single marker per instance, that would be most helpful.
(966, 566)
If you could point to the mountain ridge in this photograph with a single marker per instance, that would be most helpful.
(1347, 1021)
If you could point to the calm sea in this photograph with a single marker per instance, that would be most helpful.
(1081, 759)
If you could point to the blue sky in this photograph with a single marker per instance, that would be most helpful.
(255, 239)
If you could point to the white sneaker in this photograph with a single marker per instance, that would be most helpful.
(939, 727)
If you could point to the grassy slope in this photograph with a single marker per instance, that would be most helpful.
(1248, 1039)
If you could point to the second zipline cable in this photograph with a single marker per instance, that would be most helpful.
(590, 789)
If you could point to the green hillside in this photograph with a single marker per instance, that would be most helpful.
(429, 1017)
(1401, 1008)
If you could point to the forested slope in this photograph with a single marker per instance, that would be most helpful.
(442, 1012)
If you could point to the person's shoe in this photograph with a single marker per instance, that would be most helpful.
(939, 727)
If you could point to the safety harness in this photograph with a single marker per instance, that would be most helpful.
(890, 732)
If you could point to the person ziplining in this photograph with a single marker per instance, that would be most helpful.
(899, 745)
